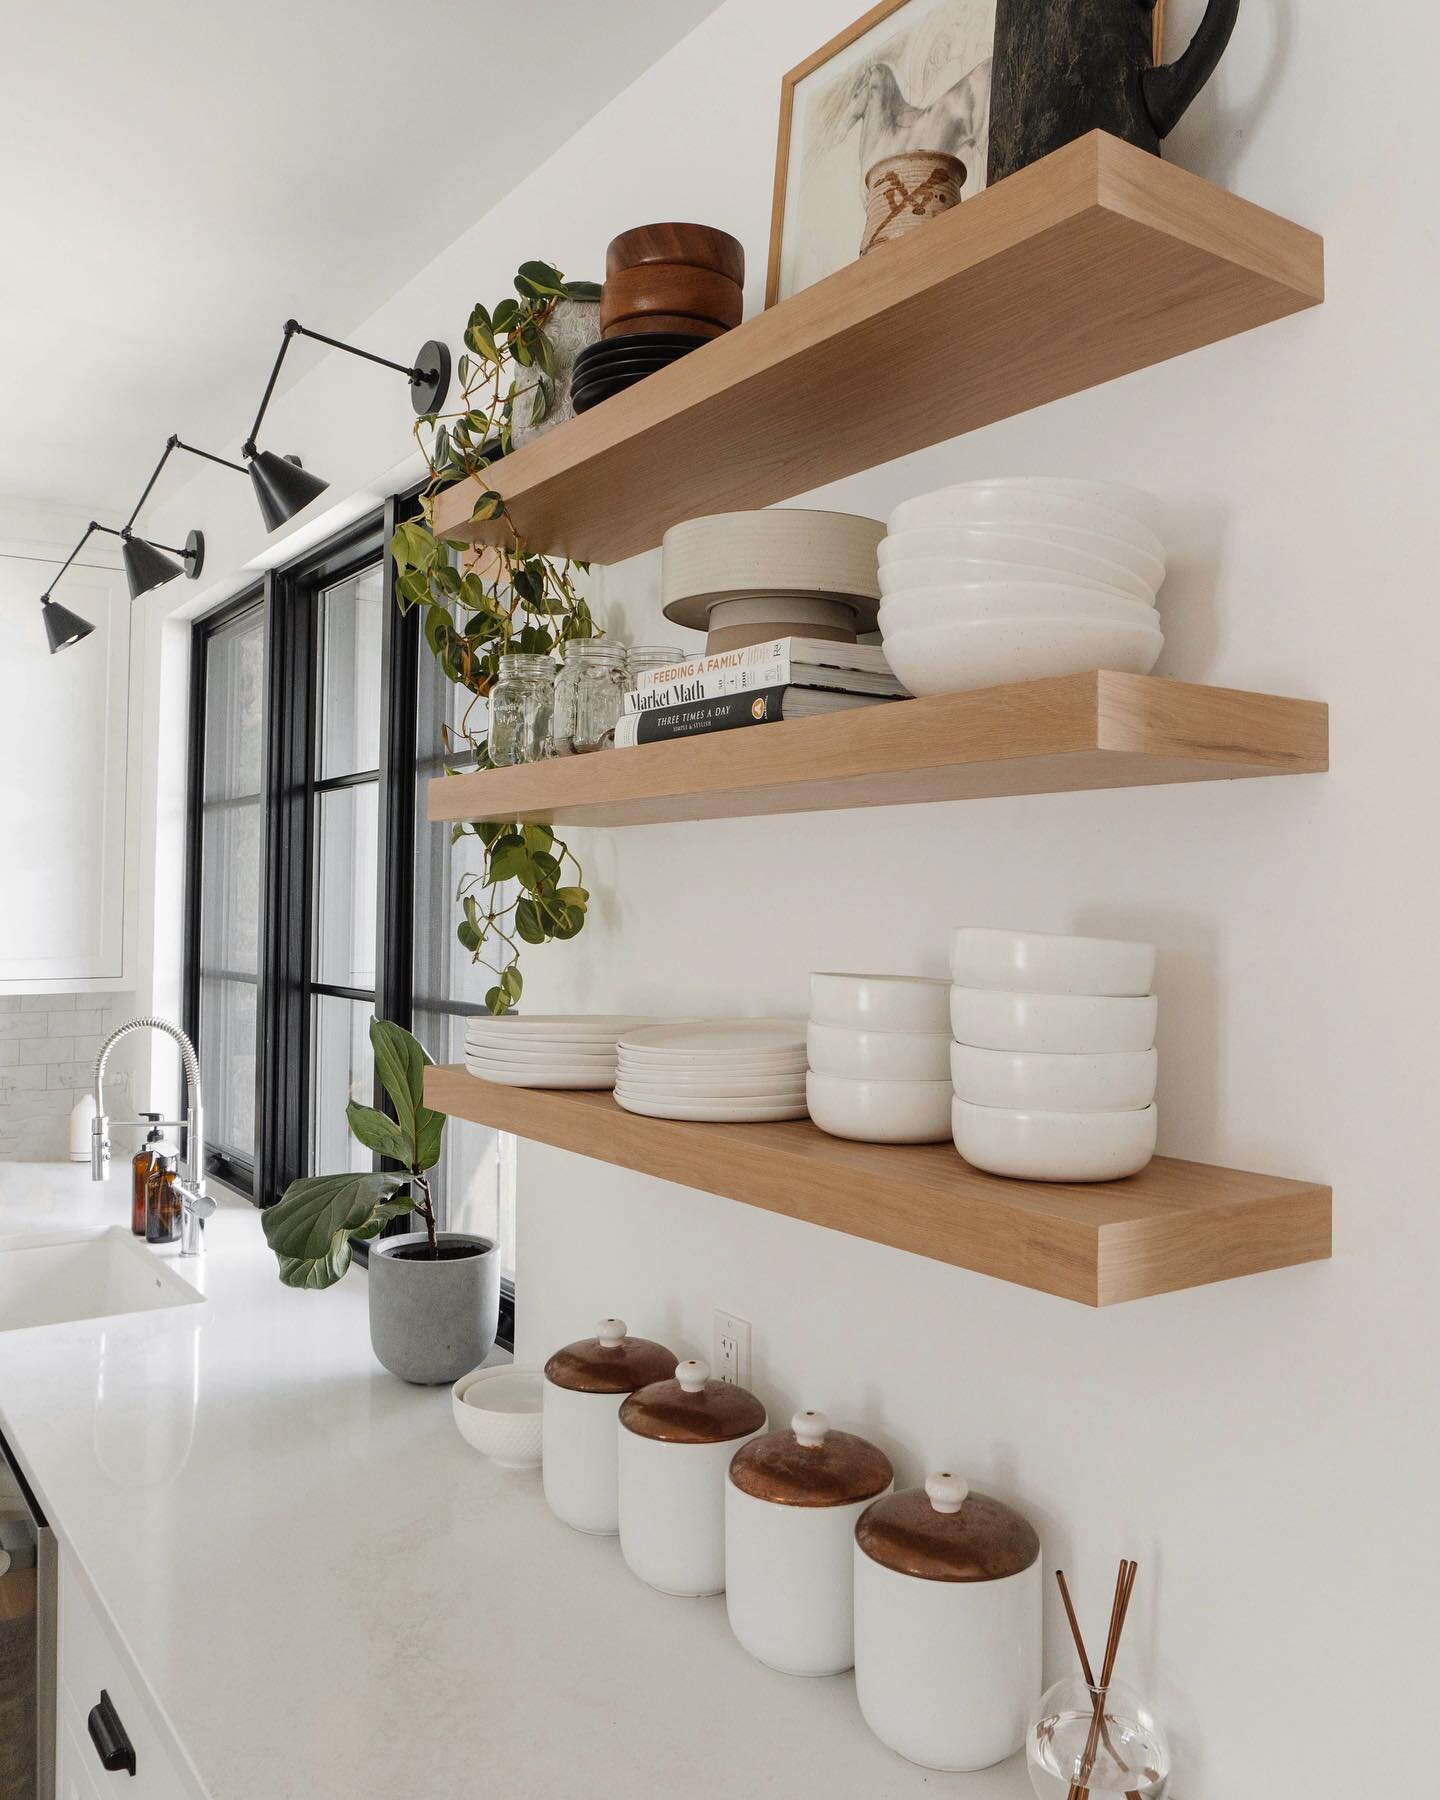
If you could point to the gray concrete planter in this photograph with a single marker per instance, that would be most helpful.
(433, 1321)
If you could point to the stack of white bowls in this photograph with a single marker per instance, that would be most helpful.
(879, 1048)
(745, 577)
(729, 1070)
(1054, 1061)
(546, 1050)
(1020, 577)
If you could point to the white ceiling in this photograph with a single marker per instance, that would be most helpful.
(179, 178)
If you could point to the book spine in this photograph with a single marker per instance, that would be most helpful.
(723, 662)
(773, 672)
(723, 712)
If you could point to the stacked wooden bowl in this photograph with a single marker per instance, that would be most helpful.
(744, 577)
(669, 288)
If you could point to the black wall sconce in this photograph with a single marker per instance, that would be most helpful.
(282, 487)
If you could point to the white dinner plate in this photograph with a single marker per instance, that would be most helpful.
(741, 1088)
(588, 1053)
(718, 1037)
(734, 1112)
(560, 1077)
(548, 1027)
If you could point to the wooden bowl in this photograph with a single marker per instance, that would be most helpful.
(663, 322)
(699, 246)
(674, 290)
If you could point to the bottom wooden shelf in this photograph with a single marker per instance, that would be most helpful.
(1175, 1225)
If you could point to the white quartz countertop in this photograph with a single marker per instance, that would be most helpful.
(332, 1597)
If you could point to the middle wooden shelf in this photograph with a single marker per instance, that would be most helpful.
(1069, 732)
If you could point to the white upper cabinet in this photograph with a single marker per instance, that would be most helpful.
(63, 756)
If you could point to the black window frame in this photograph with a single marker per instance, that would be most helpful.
(290, 596)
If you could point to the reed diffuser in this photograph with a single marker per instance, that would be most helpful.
(1096, 1738)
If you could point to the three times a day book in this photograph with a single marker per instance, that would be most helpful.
(779, 662)
(726, 712)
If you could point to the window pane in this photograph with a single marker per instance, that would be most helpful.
(227, 1065)
(347, 824)
(343, 1070)
(234, 699)
(474, 1182)
(350, 674)
(230, 887)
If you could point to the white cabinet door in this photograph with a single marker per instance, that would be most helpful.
(63, 752)
(76, 1764)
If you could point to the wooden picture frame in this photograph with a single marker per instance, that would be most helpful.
(865, 24)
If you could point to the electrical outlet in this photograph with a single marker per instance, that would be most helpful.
(731, 1359)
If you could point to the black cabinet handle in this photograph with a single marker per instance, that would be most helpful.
(108, 1736)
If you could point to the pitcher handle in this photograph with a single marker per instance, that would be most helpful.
(1169, 90)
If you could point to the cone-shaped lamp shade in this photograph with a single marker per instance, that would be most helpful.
(146, 567)
(63, 627)
(282, 487)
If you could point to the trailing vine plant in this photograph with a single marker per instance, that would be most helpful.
(507, 599)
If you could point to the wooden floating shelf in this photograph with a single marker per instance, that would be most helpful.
(1099, 730)
(1092, 263)
(1175, 1225)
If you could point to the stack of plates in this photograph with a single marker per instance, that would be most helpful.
(546, 1050)
(744, 577)
(1020, 577)
(722, 1069)
(612, 366)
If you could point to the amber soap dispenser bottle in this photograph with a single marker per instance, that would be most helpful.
(142, 1166)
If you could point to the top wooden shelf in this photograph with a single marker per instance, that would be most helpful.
(1092, 263)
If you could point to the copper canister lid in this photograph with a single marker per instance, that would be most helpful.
(945, 1531)
(610, 1362)
(811, 1465)
(693, 1409)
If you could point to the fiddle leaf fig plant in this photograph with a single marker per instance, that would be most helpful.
(507, 598)
(312, 1226)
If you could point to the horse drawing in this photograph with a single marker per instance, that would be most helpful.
(890, 125)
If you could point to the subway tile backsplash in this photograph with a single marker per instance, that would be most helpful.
(48, 1046)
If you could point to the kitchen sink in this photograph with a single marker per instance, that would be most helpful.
(84, 1275)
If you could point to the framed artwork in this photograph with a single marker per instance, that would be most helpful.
(908, 75)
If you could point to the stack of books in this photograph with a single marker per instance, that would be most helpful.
(783, 678)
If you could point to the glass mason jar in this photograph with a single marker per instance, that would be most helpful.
(589, 696)
(640, 657)
(522, 706)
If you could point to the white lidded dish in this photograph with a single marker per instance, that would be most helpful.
(792, 1501)
(499, 1413)
(676, 1440)
(1047, 962)
(947, 1624)
(585, 1385)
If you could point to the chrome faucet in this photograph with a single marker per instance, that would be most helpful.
(195, 1204)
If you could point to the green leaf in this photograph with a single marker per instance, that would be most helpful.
(400, 1064)
(509, 860)
(511, 983)
(495, 1000)
(377, 1132)
(530, 922)
(506, 313)
(539, 281)
(490, 505)
(572, 923)
(538, 837)
(582, 290)
(578, 897)
(310, 1227)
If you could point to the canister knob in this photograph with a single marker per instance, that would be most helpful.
(611, 1333)
(692, 1375)
(947, 1493)
(810, 1428)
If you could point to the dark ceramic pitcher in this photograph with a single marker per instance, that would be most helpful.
(1065, 67)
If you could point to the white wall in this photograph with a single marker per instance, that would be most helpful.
(1267, 1449)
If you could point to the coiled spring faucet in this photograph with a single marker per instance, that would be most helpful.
(195, 1204)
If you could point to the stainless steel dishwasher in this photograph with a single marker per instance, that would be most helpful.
(28, 1592)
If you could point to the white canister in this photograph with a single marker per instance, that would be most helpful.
(676, 1441)
(947, 1624)
(792, 1502)
(584, 1386)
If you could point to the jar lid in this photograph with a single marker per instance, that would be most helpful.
(610, 1362)
(945, 1531)
(693, 1409)
(811, 1465)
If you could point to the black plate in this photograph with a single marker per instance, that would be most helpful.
(649, 340)
(650, 359)
(608, 371)
(582, 399)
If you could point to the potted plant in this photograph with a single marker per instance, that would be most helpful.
(434, 1295)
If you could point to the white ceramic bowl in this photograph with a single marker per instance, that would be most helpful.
(983, 503)
(1122, 1081)
(979, 653)
(498, 1413)
(1063, 1024)
(996, 537)
(963, 600)
(878, 1055)
(1054, 1146)
(911, 572)
(1044, 962)
(880, 1112)
(879, 1002)
(1134, 502)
